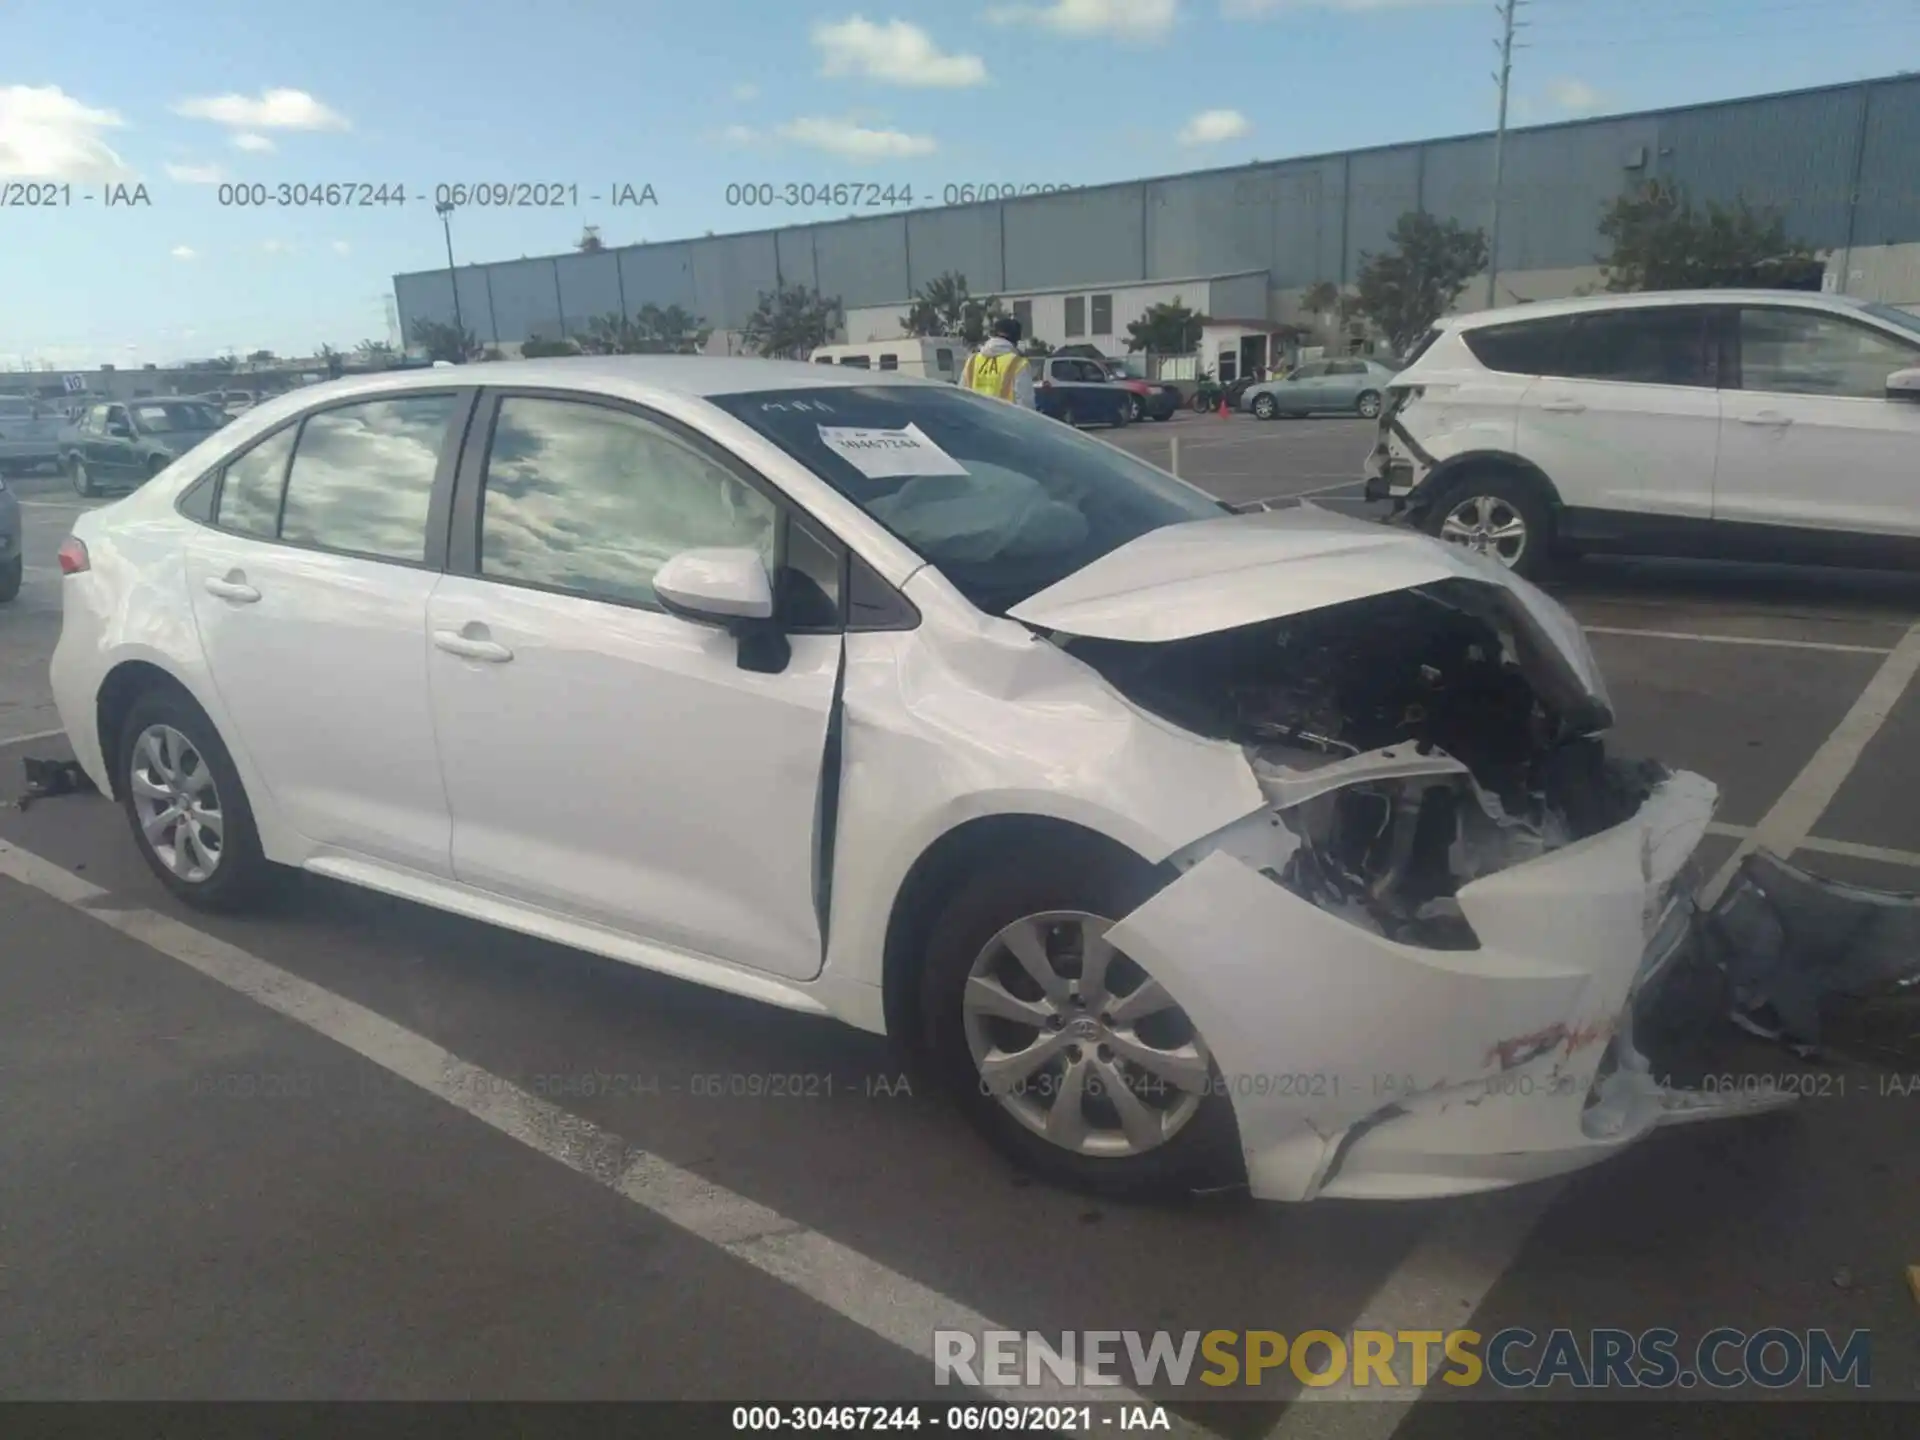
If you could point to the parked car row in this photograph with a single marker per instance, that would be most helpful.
(121, 446)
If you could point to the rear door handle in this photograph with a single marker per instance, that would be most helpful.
(467, 648)
(234, 590)
(1563, 407)
(1767, 417)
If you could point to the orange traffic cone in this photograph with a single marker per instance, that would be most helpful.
(1224, 412)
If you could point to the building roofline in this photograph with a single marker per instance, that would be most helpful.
(1248, 167)
(1084, 288)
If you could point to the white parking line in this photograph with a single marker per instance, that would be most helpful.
(6, 740)
(1272, 500)
(1786, 826)
(1739, 640)
(1815, 844)
(882, 1301)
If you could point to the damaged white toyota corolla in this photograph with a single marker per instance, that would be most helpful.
(1188, 846)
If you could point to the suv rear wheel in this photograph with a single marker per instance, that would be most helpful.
(1497, 514)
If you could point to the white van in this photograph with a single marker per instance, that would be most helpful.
(939, 358)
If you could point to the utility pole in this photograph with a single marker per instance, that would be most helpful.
(445, 209)
(1508, 24)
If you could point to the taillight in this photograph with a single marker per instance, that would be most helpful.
(73, 556)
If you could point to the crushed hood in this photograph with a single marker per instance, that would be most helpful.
(1205, 576)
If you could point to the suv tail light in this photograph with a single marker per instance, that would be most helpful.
(73, 556)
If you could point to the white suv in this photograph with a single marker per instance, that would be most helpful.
(1711, 423)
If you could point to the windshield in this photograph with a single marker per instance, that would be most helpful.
(1002, 500)
(1906, 320)
(175, 415)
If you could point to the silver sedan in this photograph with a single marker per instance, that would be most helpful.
(1322, 387)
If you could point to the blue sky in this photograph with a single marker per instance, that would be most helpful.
(688, 98)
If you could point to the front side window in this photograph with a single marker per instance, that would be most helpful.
(589, 499)
(1804, 352)
(250, 492)
(1312, 370)
(174, 417)
(363, 475)
(117, 416)
(1003, 500)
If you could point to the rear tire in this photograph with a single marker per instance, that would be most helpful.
(11, 573)
(1191, 1141)
(1367, 407)
(82, 479)
(171, 762)
(1265, 408)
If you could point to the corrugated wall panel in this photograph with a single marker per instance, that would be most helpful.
(863, 262)
(1457, 183)
(1793, 154)
(1302, 205)
(1206, 225)
(589, 287)
(525, 302)
(1089, 237)
(1384, 185)
(423, 296)
(1557, 185)
(1889, 211)
(729, 274)
(794, 247)
(964, 240)
(658, 275)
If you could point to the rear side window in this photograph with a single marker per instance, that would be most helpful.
(1422, 345)
(363, 475)
(1638, 346)
(250, 493)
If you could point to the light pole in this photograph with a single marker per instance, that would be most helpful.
(1504, 78)
(445, 210)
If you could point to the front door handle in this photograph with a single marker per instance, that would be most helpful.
(1563, 407)
(1767, 417)
(468, 648)
(237, 591)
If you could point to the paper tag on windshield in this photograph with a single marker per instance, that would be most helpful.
(889, 454)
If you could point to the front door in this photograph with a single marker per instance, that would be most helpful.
(605, 759)
(1808, 438)
(110, 451)
(313, 616)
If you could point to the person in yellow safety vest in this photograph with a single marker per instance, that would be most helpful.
(998, 369)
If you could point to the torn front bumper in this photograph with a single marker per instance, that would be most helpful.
(1361, 1067)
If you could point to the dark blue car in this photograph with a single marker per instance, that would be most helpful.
(1079, 392)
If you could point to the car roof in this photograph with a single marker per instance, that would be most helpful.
(688, 376)
(1646, 299)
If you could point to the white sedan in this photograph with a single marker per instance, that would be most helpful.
(1188, 847)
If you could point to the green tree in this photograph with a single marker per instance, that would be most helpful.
(332, 359)
(374, 352)
(442, 341)
(945, 308)
(1661, 241)
(790, 321)
(261, 357)
(1035, 348)
(652, 331)
(1405, 289)
(541, 348)
(1168, 328)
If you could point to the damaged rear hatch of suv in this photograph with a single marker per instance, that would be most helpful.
(1417, 964)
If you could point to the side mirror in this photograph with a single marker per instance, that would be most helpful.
(1904, 385)
(727, 587)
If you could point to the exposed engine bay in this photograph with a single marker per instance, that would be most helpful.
(1440, 758)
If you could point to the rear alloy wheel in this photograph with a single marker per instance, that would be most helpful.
(184, 799)
(1368, 406)
(82, 479)
(1068, 1056)
(1264, 408)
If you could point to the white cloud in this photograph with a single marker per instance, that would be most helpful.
(247, 140)
(1210, 127)
(856, 142)
(1575, 95)
(184, 252)
(46, 134)
(280, 109)
(895, 53)
(1126, 19)
(746, 91)
(740, 135)
(1249, 9)
(195, 174)
(341, 247)
(276, 247)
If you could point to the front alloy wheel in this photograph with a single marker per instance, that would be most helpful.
(1368, 406)
(1077, 1042)
(1488, 525)
(177, 804)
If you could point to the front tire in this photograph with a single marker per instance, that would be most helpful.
(1036, 1027)
(82, 478)
(187, 808)
(1367, 407)
(1265, 408)
(1499, 515)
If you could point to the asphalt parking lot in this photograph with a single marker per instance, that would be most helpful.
(352, 1148)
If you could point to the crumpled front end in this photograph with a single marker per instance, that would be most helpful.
(1493, 1049)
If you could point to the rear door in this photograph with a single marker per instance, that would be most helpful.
(1624, 417)
(310, 593)
(1808, 437)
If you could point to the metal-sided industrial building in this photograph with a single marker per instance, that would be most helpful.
(1841, 164)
